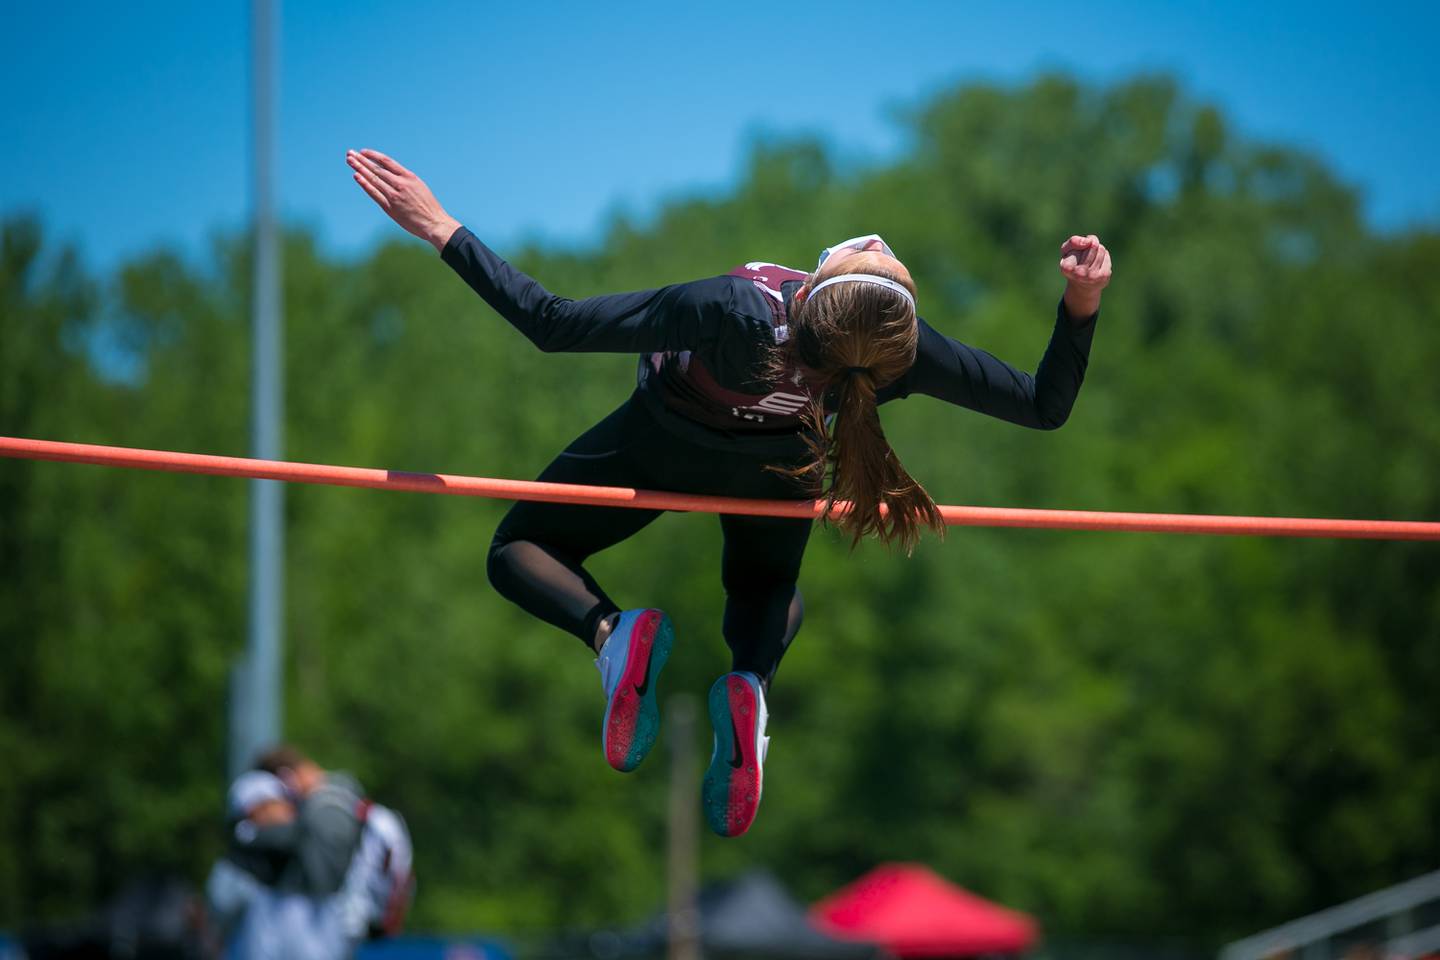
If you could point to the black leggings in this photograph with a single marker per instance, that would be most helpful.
(537, 555)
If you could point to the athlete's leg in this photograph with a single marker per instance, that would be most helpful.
(537, 559)
(762, 615)
(763, 608)
(537, 554)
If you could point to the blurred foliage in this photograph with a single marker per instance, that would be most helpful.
(1128, 735)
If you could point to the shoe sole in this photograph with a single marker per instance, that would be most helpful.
(731, 791)
(632, 718)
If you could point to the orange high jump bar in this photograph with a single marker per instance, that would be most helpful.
(170, 461)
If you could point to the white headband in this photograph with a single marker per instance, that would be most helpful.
(866, 278)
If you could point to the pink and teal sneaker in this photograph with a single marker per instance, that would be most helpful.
(629, 662)
(731, 794)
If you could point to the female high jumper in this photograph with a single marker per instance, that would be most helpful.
(762, 383)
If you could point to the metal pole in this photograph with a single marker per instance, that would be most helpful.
(258, 711)
(683, 939)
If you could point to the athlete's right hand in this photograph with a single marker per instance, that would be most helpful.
(403, 196)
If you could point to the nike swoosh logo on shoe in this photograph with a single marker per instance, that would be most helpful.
(644, 684)
(736, 759)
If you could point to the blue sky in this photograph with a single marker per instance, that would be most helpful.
(127, 125)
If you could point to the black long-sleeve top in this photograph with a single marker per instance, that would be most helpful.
(705, 346)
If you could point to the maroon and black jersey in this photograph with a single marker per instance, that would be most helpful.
(706, 345)
(737, 400)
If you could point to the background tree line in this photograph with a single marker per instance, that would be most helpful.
(1132, 736)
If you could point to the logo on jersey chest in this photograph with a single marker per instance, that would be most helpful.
(778, 403)
(785, 403)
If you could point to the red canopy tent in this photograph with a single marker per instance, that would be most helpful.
(912, 912)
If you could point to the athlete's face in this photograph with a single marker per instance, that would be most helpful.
(872, 256)
(871, 241)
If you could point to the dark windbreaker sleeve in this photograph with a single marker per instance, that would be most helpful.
(685, 316)
(961, 374)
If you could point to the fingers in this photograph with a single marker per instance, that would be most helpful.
(388, 182)
(375, 194)
(369, 176)
(389, 178)
(1085, 260)
(369, 180)
(1100, 270)
(393, 166)
(1075, 253)
(1072, 264)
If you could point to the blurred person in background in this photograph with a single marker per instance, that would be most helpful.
(374, 870)
(380, 885)
(314, 867)
(330, 805)
(261, 844)
(763, 383)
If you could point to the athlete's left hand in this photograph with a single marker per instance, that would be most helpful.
(403, 196)
(1085, 264)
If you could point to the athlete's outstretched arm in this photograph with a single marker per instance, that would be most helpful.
(684, 316)
(963, 375)
(680, 317)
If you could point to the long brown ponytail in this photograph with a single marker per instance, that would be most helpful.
(852, 339)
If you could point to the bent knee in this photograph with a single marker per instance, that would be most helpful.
(498, 566)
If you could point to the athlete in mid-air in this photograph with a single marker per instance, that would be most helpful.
(762, 383)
